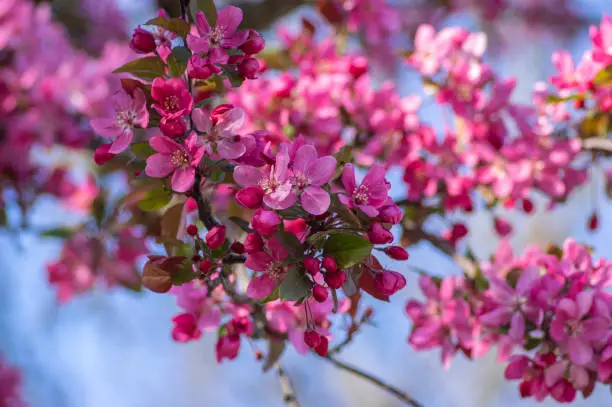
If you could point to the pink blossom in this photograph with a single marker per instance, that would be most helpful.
(309, 173)
(227, 347)
(221, 137)
(129, 113)
(179, 160)
(225, 34)
(185, 328)
(602, 41)
(370, 195)
(271, 262)
(172, 97)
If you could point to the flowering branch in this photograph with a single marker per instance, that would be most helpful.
(289, 394)
(374, 380)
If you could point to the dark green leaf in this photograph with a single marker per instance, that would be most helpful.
(98, 208)
(142, 149)
(220, 251)
(532, 343)
(272, 297)
(242, 224)
(62, 233)
(146, 68)
(235, 78)
(182, 276)
(177, 61)
(175, 25)
(347, 249)
(275, 350)
(291, 243)
(209, 10)
(342, 157)
(155, 199)
(295, 286)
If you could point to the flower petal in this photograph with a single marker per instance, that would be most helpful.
(165, 145)
(183, 179)
(315, 200)
(322, 170)
(260, 287)
(159, 166)
(121, 143)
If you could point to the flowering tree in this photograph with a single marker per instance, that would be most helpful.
(254, 182)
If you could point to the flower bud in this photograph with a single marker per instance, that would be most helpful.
(205, 266)
(329, 264)
(254, 45)
(396, 253)
(142, 41)
(253, 243)
(312, 265)
(250, 197)
(192, 230)
(237, 247)
(593, 221)
(185, 328)
(390, 214)
(389, 282)
(335, 279)
(191, 205)
(101, 155)
(311, 338)
(319, 293)
(216, 236)
(265, 222)
(220, 112)
(249, 68)
(173, 128)
(322, 347)
(358, 67)
(502, 227)
(527, 206)
(379, 235)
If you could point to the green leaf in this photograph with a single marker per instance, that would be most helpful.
(182, 276)
(295, 286)
(175, 25)
(142, 149)
(343, 157)
(177, 61)
(275, 350)
(291, 243)
(209, 10)
(347, 249)
(98, 208)
(558, 99)
(235, 78)
(62, 232)
(603, 77)
(272, 297)
(147, 68)
(155, 199)
(220, 251)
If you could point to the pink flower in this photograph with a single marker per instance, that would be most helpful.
(172, 97)
(602, 41)
(388, 282)
(379, 235)
(129, 113)
(370, 195)
(222, 138)
(271, 263)
(173, 158)
(265, 222)
(185, 328)
(224, 35)
(574, 331)
(227, 347)
(273, 180)
(216, 236)
(309, 173)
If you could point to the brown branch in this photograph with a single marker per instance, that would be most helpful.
(364, 375)
(600, 145)
(289, 394)
(204, 210)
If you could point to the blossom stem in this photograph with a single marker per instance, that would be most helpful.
(289, 395)
(204, 210)
(367, 376)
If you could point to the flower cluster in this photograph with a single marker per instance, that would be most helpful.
(548, 312)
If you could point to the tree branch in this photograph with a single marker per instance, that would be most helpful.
(289, 395)
(601, 145)
(387, 387)
(204, 210)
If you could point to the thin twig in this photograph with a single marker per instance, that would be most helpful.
(387, 387)
(601, 145)
(289, 395)
(204, 210)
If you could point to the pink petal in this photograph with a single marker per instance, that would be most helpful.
(105, 127)
(246, 175)
(121, 143)
(580, 352)
(165, 145)
(296, 336)
(348, 178)
(202, 23)
(555, 373)
(201, 119)
(260, 287)
(232, 122)
(140, 106)
(277, 250)
(258, 261)
(497, 317)
(183, 179)
(305, 156)
(229, 18)
(322, 170)
(375, 176)
(517, 327)
(584, 301)
(159, 166)
(315, 200)
(199, 45)
(231, 150)
(209, 319)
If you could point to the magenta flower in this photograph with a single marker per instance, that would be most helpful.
(309, 173)
(129, 113)
(222, 138)
(271, 264)
(172, 97)
(574, 331)
(224, 35)
(227, 347)
(370, 195)
(273, 180)
(173, 158)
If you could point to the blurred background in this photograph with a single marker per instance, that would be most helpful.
(113, 348)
